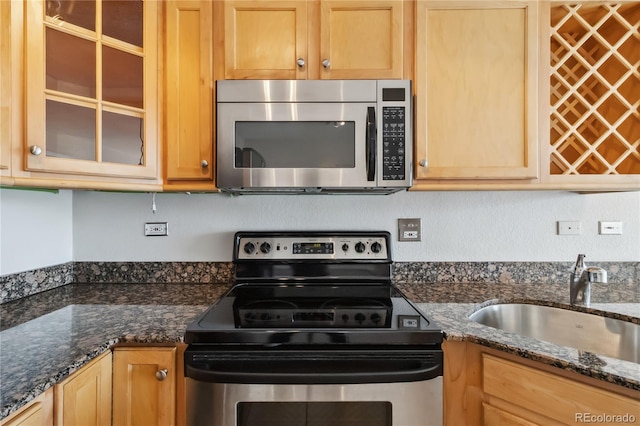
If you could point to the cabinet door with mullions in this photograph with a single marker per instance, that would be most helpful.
(91, 87)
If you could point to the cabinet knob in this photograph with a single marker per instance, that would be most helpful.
(326, 63)
(300, 62)
(162, 374)
(423, 163)
(35, 150)
(204, 163)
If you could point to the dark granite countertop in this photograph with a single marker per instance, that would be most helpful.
(47, 336)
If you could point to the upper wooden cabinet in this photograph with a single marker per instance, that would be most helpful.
(476, 90)
(592, 54)
(189, 123)
(91, 88)
(312, 39)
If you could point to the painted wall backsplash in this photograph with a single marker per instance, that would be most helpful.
(43, 229)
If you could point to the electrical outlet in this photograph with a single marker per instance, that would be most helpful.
(609, 228)
(409, 229)
(156, 229)
(566, 227)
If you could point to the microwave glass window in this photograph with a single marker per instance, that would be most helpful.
(295, 144)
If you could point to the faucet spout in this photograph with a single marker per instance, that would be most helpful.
(580, 282)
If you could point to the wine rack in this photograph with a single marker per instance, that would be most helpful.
(595, 88)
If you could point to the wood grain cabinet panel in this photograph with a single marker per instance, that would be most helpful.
(313, 39)
(144, 386)
(84, 399)
(38, 412)
(188, 151)
(476, 90)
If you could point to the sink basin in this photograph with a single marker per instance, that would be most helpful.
(600, 335)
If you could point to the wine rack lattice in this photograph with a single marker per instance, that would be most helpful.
(595, 88)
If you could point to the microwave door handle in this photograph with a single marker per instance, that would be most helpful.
(371, 143)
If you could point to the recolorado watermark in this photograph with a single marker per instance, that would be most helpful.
(605, 418)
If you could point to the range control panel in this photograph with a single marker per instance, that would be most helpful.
(340, 246)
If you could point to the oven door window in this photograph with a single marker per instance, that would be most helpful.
(375, 413)
(295, 144)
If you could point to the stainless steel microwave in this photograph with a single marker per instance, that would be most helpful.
(314, 136)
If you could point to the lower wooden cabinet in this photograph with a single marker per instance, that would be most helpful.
(483, 386)
(84, 398)
(38, 412)
(144, 386)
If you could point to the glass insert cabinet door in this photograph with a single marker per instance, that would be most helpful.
(92, 87)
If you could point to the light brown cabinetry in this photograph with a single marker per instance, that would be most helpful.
(487, 387)
(476, 90)
(84, 399)
(592, 54)
(189, 120)
(38, 412)
(312, 39)
(144, 386)
(81, 94)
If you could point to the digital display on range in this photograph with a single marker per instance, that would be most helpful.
(312, 248)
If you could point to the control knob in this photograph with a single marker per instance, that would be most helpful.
(360, 247)
(345, 247)
(265, 247)
(376, 247)
(359, 317)
(249, 248)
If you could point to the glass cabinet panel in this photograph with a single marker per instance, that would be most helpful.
(70, 64)
(122, 19)
(92, 87)
(71, 131)
(80, 13)
(122, 75)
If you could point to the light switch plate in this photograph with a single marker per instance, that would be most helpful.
(409, 229)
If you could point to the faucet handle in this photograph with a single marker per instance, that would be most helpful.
(579, 266)
(596, 275)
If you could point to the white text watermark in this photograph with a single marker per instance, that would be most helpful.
(605, 418)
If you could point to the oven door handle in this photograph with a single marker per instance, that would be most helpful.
(299, 371)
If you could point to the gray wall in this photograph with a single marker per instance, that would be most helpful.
(42, 229)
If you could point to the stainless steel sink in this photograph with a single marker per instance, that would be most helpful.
(600, 335)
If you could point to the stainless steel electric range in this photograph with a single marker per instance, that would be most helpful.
(313, 333)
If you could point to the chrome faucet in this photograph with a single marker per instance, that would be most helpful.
(580, 282)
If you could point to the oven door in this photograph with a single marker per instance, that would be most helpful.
(302, 388)
(296, 145)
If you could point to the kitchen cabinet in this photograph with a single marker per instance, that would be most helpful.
(84, 398)
(476, 92)
(313, 39)
(486, 386)
(189, 157)
(592, 53)
(144, 385)
(7, 74)
(91, 95)
(38, 412)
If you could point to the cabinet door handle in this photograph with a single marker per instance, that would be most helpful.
(300, 62)
(423, 163)
(162, 374)
(326, 63)
(204, 163)
(35, 150)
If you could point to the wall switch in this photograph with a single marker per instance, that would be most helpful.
(409, 229)
(156, 229)
(609, 228)
(569, 227)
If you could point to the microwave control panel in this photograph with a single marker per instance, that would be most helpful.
(393, 143)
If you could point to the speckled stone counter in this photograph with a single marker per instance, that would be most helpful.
(47, 336)
(451, 304)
